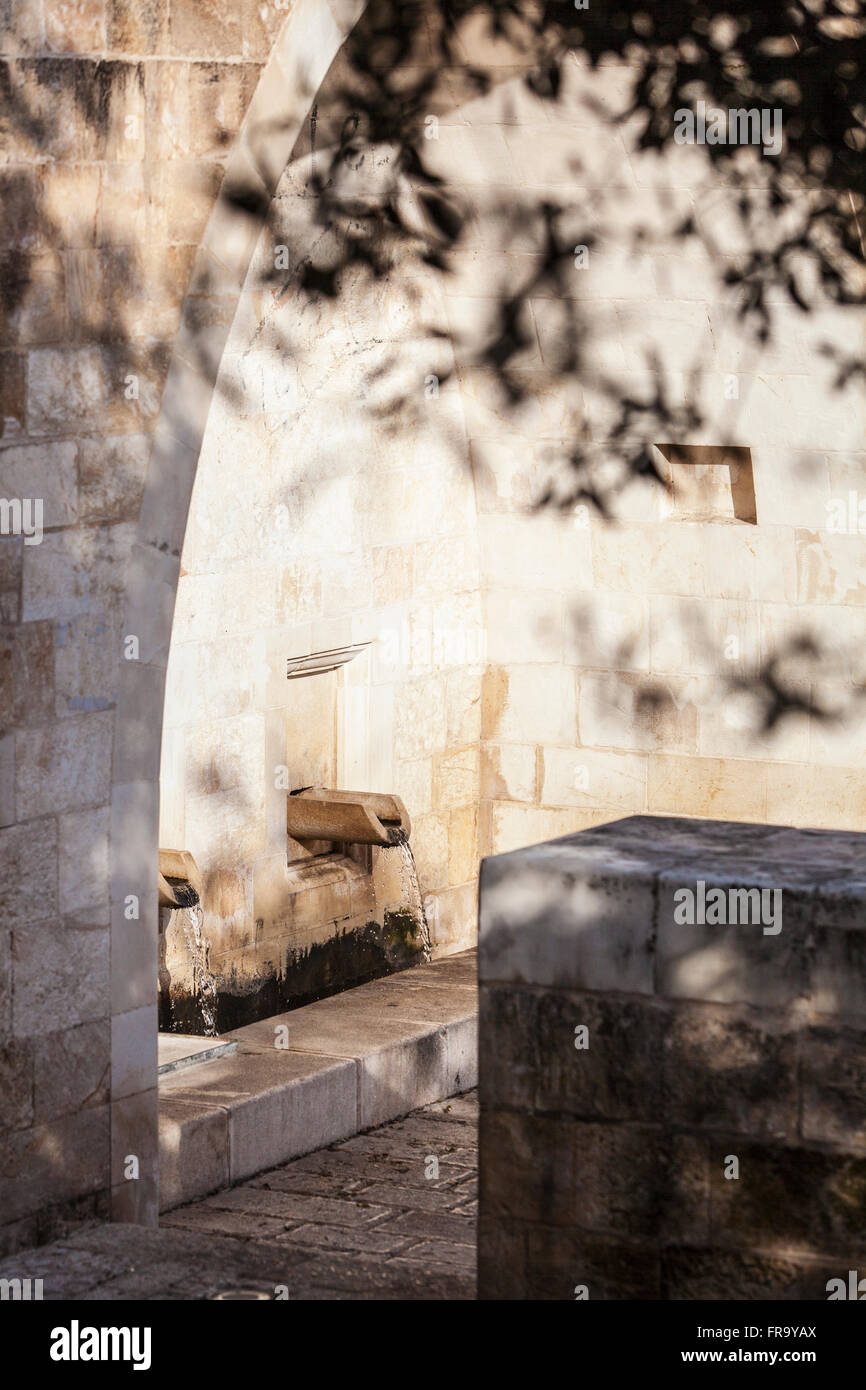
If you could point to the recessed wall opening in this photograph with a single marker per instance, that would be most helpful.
(710, 482)
(319, 648)
(338, 904)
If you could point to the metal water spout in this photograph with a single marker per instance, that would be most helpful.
(360, 818)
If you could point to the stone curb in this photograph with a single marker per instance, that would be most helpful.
(302, 1080)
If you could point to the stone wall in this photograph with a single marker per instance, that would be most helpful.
(587, 667)
(120, 124)
(319, 522)
(671, 1109)
(639, 662)
(606, 683)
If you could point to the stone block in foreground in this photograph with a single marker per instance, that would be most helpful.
(666, 1003)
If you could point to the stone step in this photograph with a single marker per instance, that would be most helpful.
(178, 1050)
(302, 1080)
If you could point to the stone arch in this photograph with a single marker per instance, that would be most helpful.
(304, 50)
(537, 698)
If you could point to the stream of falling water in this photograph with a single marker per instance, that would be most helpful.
(204, 984)
(409, 877)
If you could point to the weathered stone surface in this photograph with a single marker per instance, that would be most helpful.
(28, 871)
(46, 472)
(83, 866)
(632, 1137)
(564, 1264)
(222, 31)
(13, 389)
(133, 1132)
(65, 766)
(279, 1104)
(22, 28)
(732, 1070)
(134, 114)
(529, 1049)
(27, 671)
(76, 573)
(16, 1087)
(638, 866)
(838, 970)
(527, 931)
(714, 1273)
(76, 990)
(501, 1258)
(797, 1198)
(508, 1054)
(528, 1168)
(11, 558)
(85, 388)
(459, 968)
(6, 981)
(641, 1182)
(137, 28)
(71, 1070)
(735, 963)
(85, 662)
(7, 780)
(328, 1211)
(193, 1149)
(391, 1077)
(402, 1053)
(111, 473)
(54, 1162)
(833, 1086)
(133, 1051)
(335, 1238)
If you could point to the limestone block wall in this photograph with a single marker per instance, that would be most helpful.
(322, 518)
(119, 124)
(605, 684)
(672, 1108)
(627, 665)
(640, 661)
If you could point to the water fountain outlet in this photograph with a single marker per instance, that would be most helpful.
(179, 879)
(359, 818)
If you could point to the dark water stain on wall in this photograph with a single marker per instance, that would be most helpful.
(349, 958)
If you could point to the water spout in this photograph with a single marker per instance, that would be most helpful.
(180, 882)
(357, 818)
(316, 815)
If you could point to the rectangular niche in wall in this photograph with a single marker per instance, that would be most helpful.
(710, 482)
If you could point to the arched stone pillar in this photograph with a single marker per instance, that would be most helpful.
(304, 50)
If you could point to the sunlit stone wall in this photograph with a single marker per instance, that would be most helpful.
(369, 475)
(650, 660)
(333, 507)
(606, 652)
(119, 121)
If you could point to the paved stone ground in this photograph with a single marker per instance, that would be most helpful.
(367, 1196)
(358, 1220)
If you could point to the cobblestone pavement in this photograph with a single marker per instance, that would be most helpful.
(359, 1220)
(391, 1212)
